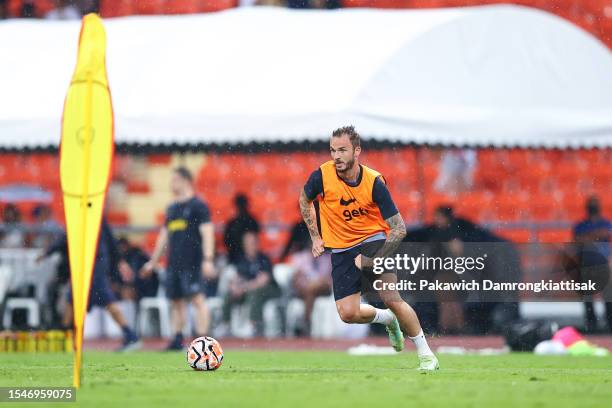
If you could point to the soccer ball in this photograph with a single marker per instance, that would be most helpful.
(204, 354)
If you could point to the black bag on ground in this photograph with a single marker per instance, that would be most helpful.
(525, 335)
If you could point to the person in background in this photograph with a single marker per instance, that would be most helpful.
(594, 230)
(298, 4)
(253, 284)
(326, 4)
(134, 286)
(443, 222)
(11, 235)
(314, 4)
(28, 9)
(188, 234)
(88, 6)
(64, 10)
(101, 294)
(60, 281)
(275, 3)
(3, 9)
(235, 229)
(299, 239)
(457, 167)
(47, 227)
(312, 279)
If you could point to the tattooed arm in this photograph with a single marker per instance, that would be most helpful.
(310, 218)
(397, 232)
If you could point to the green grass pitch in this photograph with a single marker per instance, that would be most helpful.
(313, 379)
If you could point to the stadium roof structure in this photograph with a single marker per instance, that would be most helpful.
(481, 76)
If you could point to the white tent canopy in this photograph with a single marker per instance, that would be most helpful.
(500, 75)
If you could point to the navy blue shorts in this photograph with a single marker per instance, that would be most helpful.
(347, 278)
(184, 284)
(101, 294)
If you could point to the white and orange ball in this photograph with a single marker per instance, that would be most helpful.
(204, 354)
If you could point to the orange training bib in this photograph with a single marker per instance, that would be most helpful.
(348, 214)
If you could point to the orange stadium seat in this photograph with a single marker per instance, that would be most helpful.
(217, 5)
(590, 156)
(429, 172)
(587, 22)
(41, 7)
(14, 8)
(475, 205)
(518, 158)
(601, 173)
(138, 187)
(220, 214)
(574, 209)
(555, 236)
(272, 242)
(428, 3)
(535, 177)
(571, 157)
(541, 208)
(462, 3)
(606, 207)
(159, 159)
(568, 173)
(57, 208)
(181, 6)
(26, 208)
(117, 8)
(511, 207)
(398, 165)
(512, 184)
(402, 186)
(291, 189)
(515, 235)
(391, 4)
(537, 185)
(160, 218)
(150, 240)
(121, 166)
(149, 6)
(409, 205)
(49, 168)
(356, 3)
(117, 218)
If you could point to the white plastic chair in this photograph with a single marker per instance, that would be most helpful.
(325, 320)
(294, 314)
(146, 307)
(29, 304)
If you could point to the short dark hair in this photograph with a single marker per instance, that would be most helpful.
(241, 200)
(40, 209)
(351, 133)
(446, 211)
(184, 173)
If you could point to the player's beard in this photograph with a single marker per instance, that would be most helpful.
(347, 165)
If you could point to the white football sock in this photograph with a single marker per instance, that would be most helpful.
(383, 316)
(421, 344)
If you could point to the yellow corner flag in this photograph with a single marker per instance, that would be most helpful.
(85, 160)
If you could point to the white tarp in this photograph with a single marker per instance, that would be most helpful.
(500, 75)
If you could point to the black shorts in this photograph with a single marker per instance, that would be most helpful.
(184, 284)
(347, 278)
